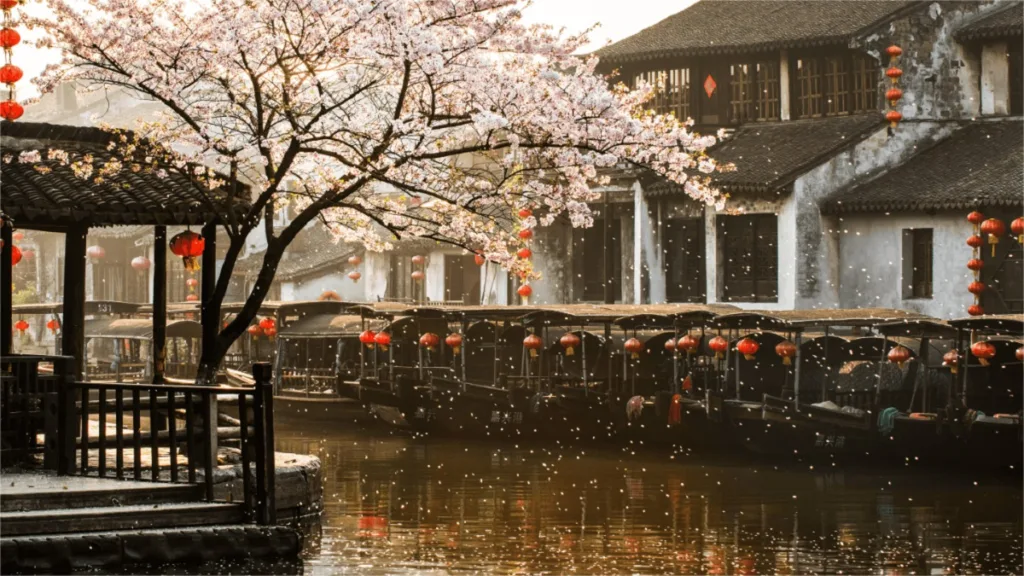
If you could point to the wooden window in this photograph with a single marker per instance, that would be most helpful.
(683, 248)
(837, 86)
(918, 267)
(1016, 78)
(809, 98)
(589, 256)
(749, 257)
(865, 84)
(768, 90)
(672, 91)
(754, 91)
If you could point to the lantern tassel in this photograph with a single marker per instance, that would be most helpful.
(455, 350)
(383, 348)
(191, 263)
(787, 361)
(569, 351)
(369, 346)
(983, 361)
(533, 353)
(993, 240)
(748, 356)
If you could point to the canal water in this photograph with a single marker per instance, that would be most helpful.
(401, 505)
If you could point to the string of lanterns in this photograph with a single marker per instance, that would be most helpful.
(266, 326)
(894, 94)
(524, 253)
(354, 261)
(10, 74)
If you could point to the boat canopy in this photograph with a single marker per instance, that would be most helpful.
(139, 328)
(323, 326)
(993, 324)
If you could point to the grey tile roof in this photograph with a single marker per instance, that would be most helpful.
(981, 164)
(59, 198)
(724, 26)
(1008, 21)
(770, 155)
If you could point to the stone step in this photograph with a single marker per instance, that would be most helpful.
(26, 493)
(136, 517)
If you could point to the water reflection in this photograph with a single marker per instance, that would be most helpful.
(400, 505)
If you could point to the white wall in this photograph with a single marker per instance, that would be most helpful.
(995, 79)
(311, 289)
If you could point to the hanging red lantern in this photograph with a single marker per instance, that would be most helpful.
(975, 264)
(9, 38)
(569, 341)
(894, 117)
(786, 350)
(267, 322)
(688, 344)
(192, 298)
(354, 276)
(18, 236)
(898, 355)
(454, 341)
(633, 346)
(976, 218)
(140, 263)
(1019, 354)
(95, 252)
(983, 351)
(270, 332)
(524, 253)
(21, 326)
(254, 330)
(1017, 227)
(368, 337)
(975, 241)
(429, 340)
(382, 340)
(526, 234)
(950, 360)
(976, 288)
(532, 342)
(525, 291)
(718, 345)
(975, 310)
(670, 345)
(418, 275)
(525, 212)
(192, 283)
(189, 247)
(354, 260)
(479, 259)
(994, 228)
(418, 260)
(894, 73)
(9, 4)
(11, 110)
(748, 347)
(894, 51)
(893, 95)
(15, 255)
(53, 325)
(329, 296)
(10, 74)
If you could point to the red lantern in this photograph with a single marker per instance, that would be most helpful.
(254, 331)
(525, 291)
(787, 350)
(524, 253)
(894, 51)
(9, 4)
(140, 263)
(18, 236)
(53, 325)
(21, 326)
(329, 296)
(95, 252)
(983, 351)
(894, 73)
(9, 74)
(975, 264)
(429, 340)
(270, 332)
(1019, 354)
(976, 288)
(354, 260)
(950, 360)
(267, 322)
(526, 233)
(189, 247)
(569, 341)
(9, 38)
(533, 343)
(898, 355)
(192, 298)
(976, 218)
(479, 259)
(893, 95)
(633, 346)
(11, 110)
(192, 283)
(688, 344)
(525, 212)
(368, 337)
(354, 275)
(975, 310)
(418, 260)
(894, 117)
(15, 255)
(994, 228)
(748, 347)
(670, 345)
(975, 241)
(1017, 227)
(28, 253)
(718, 345)
(382, 340)
(455, 342)
(418, 275)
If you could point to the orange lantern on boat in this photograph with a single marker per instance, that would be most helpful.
(633, 346)
(718, 345)
(382, 340)
(569, 341)
(429, 340)
(21, 326)
(983, 351)
(976, 310)
(898, 355)
(455, 342)
(266, 323)
(994, 229)
(368, 337)
(1019, 354)
(270, 332)
(787, 350)
(53, 325)
(192, 298)
(688, 344)
(950, 360)
(15, 255)
(254, 330)
(670, 345)
(748, 347)
(532, 342)
(1017, 227)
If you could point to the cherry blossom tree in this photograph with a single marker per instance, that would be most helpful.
(345, 109)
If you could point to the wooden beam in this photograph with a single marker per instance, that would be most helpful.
(159, 303)
(210, 311)
(73, 325)
(6, 279)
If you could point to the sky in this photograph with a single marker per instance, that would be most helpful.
(616, 20)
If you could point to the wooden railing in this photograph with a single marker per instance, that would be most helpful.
(144, 432)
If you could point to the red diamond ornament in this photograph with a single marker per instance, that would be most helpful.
(710, 85)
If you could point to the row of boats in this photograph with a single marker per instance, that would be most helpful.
(871, 385)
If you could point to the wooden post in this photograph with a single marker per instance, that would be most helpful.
(73, 332)
(159, 303)
(210, 311)
(6, 279)
(266, 512)
(609, 261)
